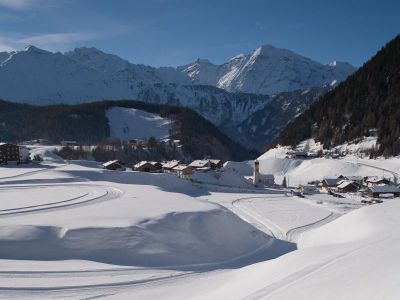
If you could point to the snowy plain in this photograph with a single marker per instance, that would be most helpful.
(76, 231)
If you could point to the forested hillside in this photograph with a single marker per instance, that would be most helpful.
(368, 99)
(88, 124)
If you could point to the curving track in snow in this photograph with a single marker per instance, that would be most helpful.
(246, 209)
(91, 194)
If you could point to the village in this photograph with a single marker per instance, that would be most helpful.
(371, 189)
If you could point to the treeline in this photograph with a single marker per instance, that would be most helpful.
(88, 124)
(369, 99)
(150, 149)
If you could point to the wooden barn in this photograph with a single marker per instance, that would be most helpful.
(184, 171)
(114, 165)
(147, 166)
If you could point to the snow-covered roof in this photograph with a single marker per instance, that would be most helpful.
(385, 189)
(142, 163)
(111, 162)
(180, 167)
(345, 183)
(354, 178)
(170, 164)
(374, 179)
(215, 161)
(199, 163)
(332, 181)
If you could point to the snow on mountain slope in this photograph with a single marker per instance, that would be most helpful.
(128, 124)
(87, 74)
(267, 70)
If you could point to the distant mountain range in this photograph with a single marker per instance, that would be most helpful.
(267, 70)
(227, 95)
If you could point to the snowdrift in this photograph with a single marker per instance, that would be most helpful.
(175, 240)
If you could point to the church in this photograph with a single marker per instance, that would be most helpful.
(261, 179)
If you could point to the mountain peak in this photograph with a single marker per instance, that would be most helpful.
(203, 61)
(33, 49)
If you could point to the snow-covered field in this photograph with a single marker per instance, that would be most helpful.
(129, 123)
(76, 231)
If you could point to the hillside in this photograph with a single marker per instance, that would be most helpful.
(367, 100)
(263, 127)
(88, 123)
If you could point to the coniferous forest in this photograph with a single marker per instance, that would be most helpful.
(369, 99)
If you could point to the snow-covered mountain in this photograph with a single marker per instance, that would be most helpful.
(86, 74)
(217, 93)
(267, 70)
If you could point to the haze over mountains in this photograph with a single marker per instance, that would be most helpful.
(226, 94)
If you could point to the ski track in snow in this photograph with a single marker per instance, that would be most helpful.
(262, 222)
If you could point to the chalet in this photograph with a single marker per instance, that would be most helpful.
(114, 165)
(216, 164)
(347, 186)
(378, 191)
(357, 179)
(147, 166)
(263, 179)
(9, 153)
(184, 171)
(375, 180)
(204, 163)
(168, 166)
(329, 183)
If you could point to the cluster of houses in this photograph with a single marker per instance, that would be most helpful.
(12, 153)
(374, 186)
(177, 167)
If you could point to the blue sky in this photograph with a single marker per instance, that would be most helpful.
(175, 32)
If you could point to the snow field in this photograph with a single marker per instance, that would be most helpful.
(128, 124)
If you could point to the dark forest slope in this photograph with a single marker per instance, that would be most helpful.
(88, 124)
(368, 99)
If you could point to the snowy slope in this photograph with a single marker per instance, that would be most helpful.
(267, 70)
(128, 124)
(343, 260)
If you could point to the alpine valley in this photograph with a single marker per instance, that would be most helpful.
(250, 98)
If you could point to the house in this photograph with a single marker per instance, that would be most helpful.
(203, 163)
(375, 180)
(329, 183)
(9, 153)
(216, 164)
(378, 191)
(168, 166)
(147, 166)
(114, 165)
(263, 179)
(357, 179)
(347, 186)
(184, 171)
